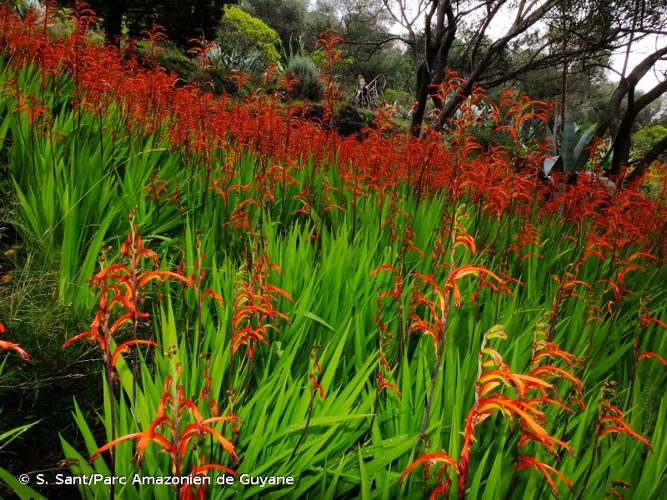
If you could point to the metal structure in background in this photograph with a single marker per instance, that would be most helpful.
(368, 94)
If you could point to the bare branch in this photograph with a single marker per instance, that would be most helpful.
(624, 86)
(520, 25)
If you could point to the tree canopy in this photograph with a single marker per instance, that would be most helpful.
(182, 20)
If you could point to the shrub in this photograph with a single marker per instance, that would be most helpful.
(173, 60)
(213, 77)
(245, 36)
(644, 138)
(304, 69)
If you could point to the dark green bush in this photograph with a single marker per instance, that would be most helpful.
(214, 77)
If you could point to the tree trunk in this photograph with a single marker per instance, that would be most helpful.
(439, 69)
(623, 138)
(423, 79)
(113, 21)
(431, 70)
(564, 92)
(622, 145)
(454, 102)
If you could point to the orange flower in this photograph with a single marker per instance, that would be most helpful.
(463, 271)
(652, 355)
(525, 462)
(172, 432)
(383, 384)
(611, 420)
(431, 458)
(254, 310)
(6, 345)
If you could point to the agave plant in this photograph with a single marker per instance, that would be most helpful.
(571, 155)
(306, 72)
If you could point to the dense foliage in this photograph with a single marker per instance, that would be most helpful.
(182, 20)
(240, 31)
(375, 316)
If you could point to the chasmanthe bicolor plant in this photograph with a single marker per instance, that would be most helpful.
(337, 295)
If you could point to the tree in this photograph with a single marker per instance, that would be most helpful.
(287, 17)
(443, 20)
(369, 47)
(587, 88)
(620, 121)
(430, 49)
(182, 20)
(321, 18)
(547, 33)
(112, 13)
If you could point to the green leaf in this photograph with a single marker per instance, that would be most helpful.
(23, 491)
